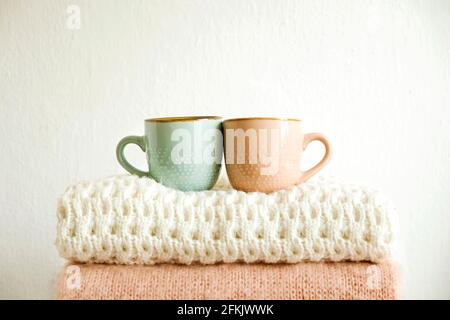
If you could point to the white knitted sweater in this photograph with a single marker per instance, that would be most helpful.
(131, 220)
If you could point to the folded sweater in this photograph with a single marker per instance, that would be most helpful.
(130, 220)
(303, 281)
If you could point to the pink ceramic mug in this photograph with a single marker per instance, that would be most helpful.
(264, 154)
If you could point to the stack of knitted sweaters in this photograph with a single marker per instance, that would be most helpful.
(131, 238)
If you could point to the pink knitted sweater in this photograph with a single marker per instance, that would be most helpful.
(350, 280)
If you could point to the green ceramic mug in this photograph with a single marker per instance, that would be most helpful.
(183, 153)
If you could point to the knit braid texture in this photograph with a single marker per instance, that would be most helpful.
(129, 220)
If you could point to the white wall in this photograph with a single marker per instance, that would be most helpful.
(373, 75)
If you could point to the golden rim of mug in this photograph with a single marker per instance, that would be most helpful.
(180, 119)
(263, 118)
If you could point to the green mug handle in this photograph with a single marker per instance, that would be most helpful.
(140, 141)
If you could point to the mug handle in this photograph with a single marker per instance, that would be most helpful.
(310, 137)
(139, 140)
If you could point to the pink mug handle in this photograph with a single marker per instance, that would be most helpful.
(310, 137)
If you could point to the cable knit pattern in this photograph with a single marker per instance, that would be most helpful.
(131, 220)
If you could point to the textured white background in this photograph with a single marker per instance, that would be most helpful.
(373, 75)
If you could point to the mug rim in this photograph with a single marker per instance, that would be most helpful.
(263, 118)
(183, 118)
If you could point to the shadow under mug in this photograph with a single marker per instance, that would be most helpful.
(264, 154)
(183, 153)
